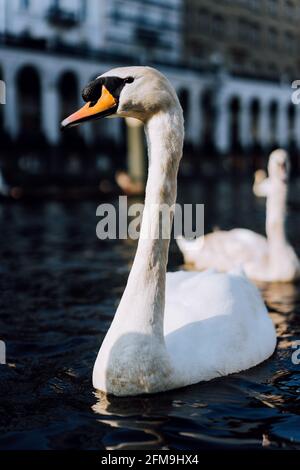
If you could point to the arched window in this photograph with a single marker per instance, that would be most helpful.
(291, 123)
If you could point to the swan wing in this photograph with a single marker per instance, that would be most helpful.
(224, 250)
(215, 324)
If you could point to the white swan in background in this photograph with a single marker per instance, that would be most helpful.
(175, 330)
(270, 259)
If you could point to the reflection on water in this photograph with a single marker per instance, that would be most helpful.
(59, 290)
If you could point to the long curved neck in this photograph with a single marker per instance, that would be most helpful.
(276, 213)
(143, 300)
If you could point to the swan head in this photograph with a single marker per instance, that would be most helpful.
(138, 92)
(279, 165)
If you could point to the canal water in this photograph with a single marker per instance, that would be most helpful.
(60, 287)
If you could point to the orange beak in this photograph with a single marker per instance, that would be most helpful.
(106, 105)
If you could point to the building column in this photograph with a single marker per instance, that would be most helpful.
(96, 16)
(297, 126)
(282, 127)
(11, 108)
(264, 136)
(50, 107)
(136, 150)
(245, 124)
(194, 118)
(221, 134)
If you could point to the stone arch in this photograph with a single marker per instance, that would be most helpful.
(292, 139)
(68, 89)
(31, 149)
(29, 99)
(273, 114)
(256, 143)
(291, 116)
(255, 110)
(72, 142)
(234, 122)
(207, 104)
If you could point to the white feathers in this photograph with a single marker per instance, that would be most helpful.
(263, 259)
(175, 330)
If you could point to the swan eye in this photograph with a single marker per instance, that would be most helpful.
(129, 80)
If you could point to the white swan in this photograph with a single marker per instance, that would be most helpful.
(270, 259)
(172, 331)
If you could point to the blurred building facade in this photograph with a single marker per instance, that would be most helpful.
(50, 49)
(149, 29)
(255, 38)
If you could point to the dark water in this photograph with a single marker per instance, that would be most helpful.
(59, 290)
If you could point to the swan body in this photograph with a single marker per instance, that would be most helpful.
(271, 258)
(215, 324)
(176, 329)
(222, 248)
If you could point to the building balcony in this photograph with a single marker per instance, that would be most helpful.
(61, 18)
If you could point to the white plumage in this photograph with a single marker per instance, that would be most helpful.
(176, 329)
(263, 259)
